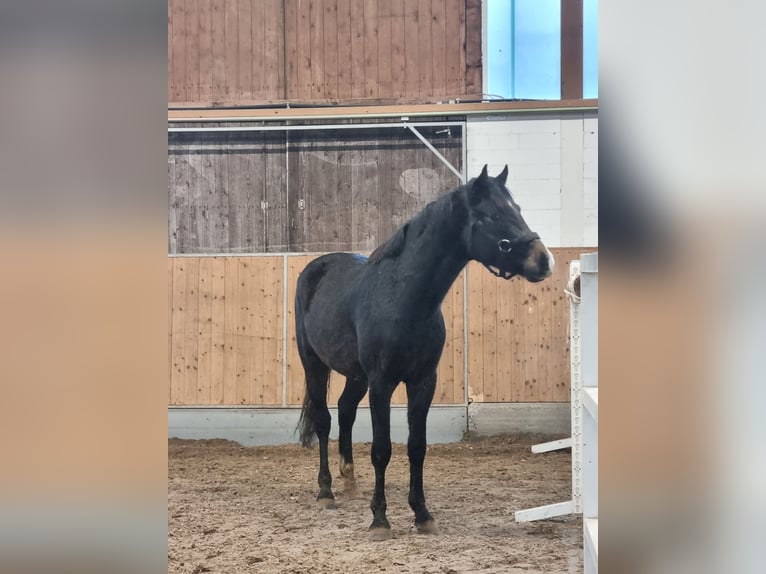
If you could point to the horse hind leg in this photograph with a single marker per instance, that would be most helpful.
(347, 406)
(315, 418)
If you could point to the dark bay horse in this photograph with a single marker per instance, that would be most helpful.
(378, 322)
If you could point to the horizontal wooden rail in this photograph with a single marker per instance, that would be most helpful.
(242, 114)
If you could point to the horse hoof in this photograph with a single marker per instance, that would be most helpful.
(379, 533)
(327, 503)
(427, 527)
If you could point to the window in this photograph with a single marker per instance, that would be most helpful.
(523, 53)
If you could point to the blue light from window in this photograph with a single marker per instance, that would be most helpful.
(524, 49)
(590, 49)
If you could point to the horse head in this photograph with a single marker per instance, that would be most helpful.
(497, 235)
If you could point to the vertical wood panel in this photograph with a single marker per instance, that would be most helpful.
(191, 33)
(177, 359)
(571, 49)
(316, 44)
(230, 332)
(244, 50)
(291, 48)
(205, 51)
(178, 72)
(244, 326)
(304, 50)
(330, 49)
(371, 48)
(258, 383)
(425, 80)
(453, 48)
(358, 55)
(398, 39)
(473, 80)
(411, 49)
(205, 332)
(439, 47)
(345, 53)
(218, 49)
(191, 338)
(385, 50)
(218, 339)
(231, 24)
(263, 65)
(475, 334)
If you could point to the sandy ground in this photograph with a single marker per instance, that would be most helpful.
(233, 509)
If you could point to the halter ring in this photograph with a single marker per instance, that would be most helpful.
(505, 245)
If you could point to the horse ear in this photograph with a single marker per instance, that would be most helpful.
(479, 187)
(503, 177)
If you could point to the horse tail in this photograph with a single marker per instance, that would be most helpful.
(305, 428)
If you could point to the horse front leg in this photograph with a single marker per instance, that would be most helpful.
(419, 397)
(347, 406)
(380, 409)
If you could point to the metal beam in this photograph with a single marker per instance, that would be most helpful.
(435, 151)
(368, 126)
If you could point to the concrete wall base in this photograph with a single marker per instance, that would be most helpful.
(257, 426)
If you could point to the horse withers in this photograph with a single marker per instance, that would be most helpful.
(378, 322)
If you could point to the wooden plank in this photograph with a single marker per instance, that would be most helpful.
(177, 11)
(273, 50)
(330, 49)
(316, 44)
(345, 193)
(453, 48)
(398, 42)
(273, 282)
(458, 336)
(291, 34)
(171, 84)
(263, 55)
(205, 331)
(571, 49)
(489, 324)
(438, 48)
(244, 50)
(218, 294)
(425, 80)
(170, 312)
(275, 194)
(473, 48)
(532, 384)
(385, 51)
(505, 294)
(344, 50)
(446, 370)
(371, 49)
(205, 51)
(192, 51)
(462, 50)
(304, 51)
(177, 358)
(231, 329)
(365, 206)
(181, 114)
(358, 47)
(231, 23)
(475, 380)
(244, 331)
(517, 349)
(258, 315)
(218, 48)
(191, 338)
(411, 50)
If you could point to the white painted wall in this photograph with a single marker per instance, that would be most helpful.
(553, 170)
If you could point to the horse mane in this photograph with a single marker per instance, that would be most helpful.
(393, 247)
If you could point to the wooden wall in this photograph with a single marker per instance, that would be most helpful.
(226, 335)
(261, 51)
(308, 191)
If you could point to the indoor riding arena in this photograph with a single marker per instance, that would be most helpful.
(298, 128)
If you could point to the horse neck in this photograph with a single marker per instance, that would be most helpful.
(430, 263)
